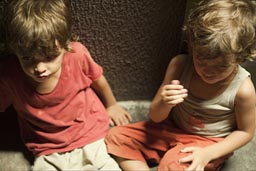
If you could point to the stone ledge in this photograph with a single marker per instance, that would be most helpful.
(13, 161)
(138, 109)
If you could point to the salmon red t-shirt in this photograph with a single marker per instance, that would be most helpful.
(69, 117)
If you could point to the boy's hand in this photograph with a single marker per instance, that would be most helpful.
(173, 93)
(118, 116)
(198, 158)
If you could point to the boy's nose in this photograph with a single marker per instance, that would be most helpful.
(40, 67)
(208, 71)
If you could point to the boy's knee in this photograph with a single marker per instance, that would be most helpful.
(172, 165)
(113, 131)
(170, 160)
(113, 134)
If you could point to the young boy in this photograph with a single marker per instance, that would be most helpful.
(53, 85)
(205, 108)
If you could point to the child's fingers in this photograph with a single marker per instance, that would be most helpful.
(175, 102)
(111, 122)
(123, 119)
(194, 167)
(175, 99)
(186, 159)
(172, 87)
(176, 82)
(128, 116)
(174, 92)
(188, 149)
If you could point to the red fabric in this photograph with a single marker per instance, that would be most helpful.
(69, 117)
(157, 143)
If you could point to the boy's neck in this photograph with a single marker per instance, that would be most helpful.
(213, 90)
(48, 85)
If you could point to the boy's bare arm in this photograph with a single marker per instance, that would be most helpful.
(162, 104)
(104, 91)
(245, 116)
(118, 115)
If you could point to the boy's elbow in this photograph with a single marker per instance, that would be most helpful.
(251, 135)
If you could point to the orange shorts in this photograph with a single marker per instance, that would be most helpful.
(157, 143)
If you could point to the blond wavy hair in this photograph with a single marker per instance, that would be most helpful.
(34, 26)
(223, 27)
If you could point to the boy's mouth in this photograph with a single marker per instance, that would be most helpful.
(42, 76)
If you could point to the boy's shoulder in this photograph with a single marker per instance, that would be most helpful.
(78, 51)
(246, 86)
(176, 66)
(77, 47)
(180, 60)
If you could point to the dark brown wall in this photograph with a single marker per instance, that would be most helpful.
(132, 39)
(2, 48)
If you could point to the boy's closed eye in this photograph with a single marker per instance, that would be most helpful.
(26, 59)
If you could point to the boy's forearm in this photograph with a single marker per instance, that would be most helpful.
(159, 111)
(104, 91)
(108, 97)
(234, 141)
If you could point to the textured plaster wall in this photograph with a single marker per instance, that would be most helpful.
(132, 39)
(2, 44)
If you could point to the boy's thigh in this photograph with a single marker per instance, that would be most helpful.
(97, 154)
(143, 141)
(93, 156)
(63, 161)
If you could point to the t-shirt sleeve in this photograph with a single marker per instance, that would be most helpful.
(90, 68)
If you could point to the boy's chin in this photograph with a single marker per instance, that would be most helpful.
(38, 79)
(211, 80)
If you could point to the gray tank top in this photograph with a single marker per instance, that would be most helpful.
(214, 117)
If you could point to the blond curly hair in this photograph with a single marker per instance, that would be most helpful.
(223, 27)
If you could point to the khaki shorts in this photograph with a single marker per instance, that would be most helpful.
(93, 156)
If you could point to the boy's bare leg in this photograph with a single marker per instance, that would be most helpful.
(130, 165)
